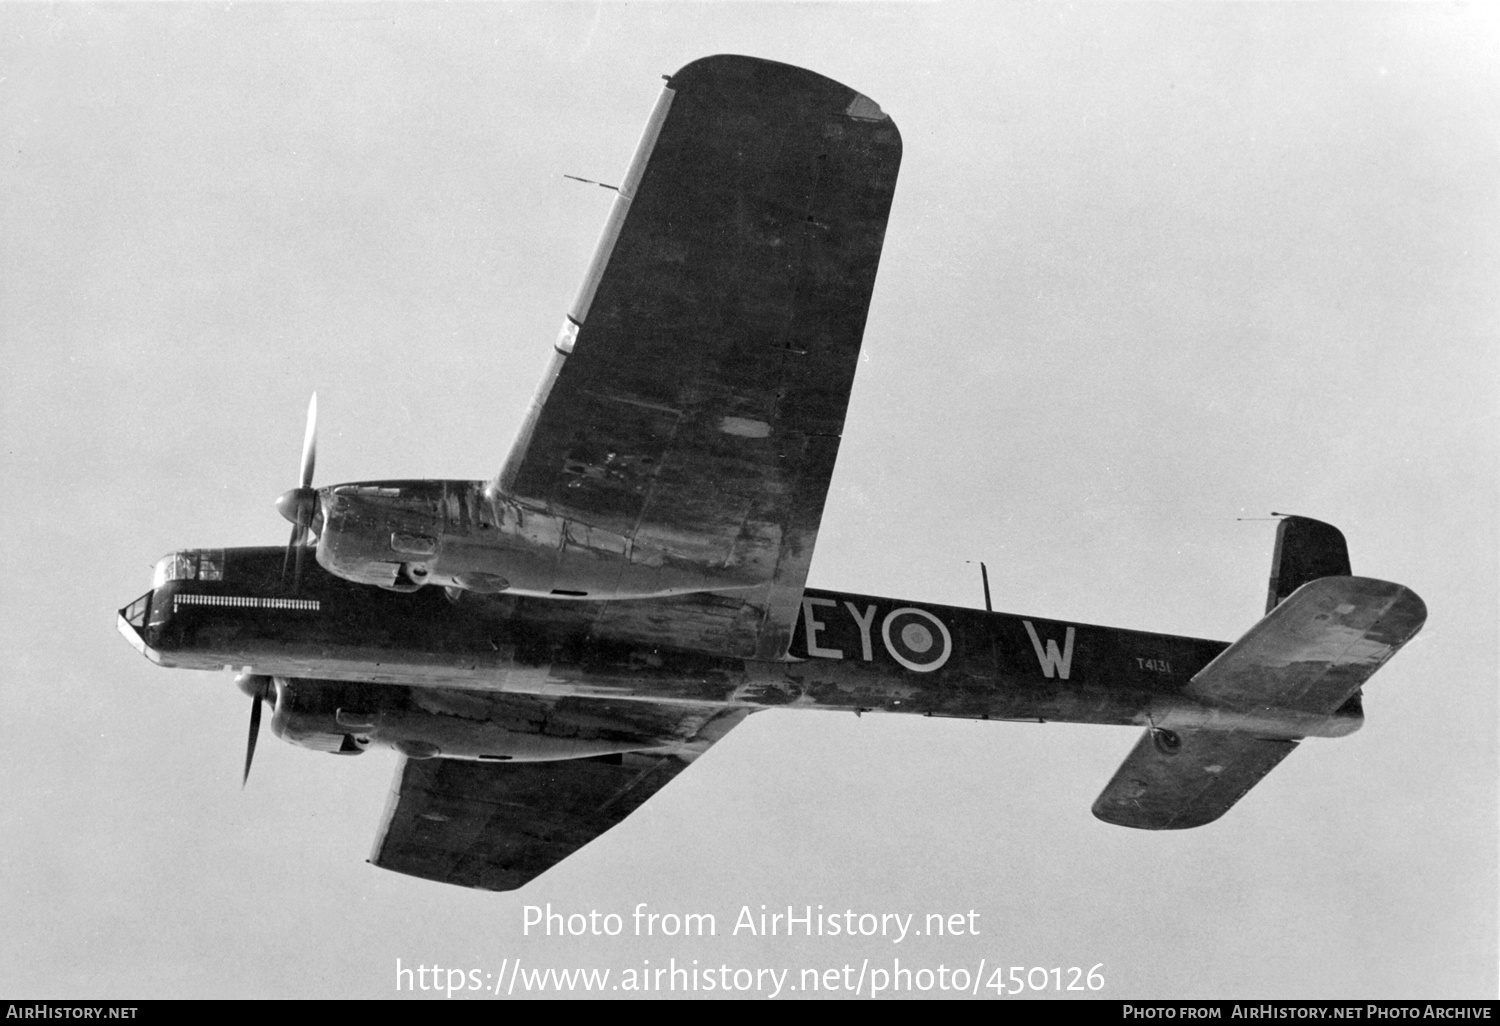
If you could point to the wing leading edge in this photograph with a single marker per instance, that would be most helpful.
(697, 396)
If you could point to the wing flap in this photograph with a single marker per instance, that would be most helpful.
(1176, 780)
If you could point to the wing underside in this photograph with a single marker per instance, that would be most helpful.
(497, 825)
(698, 393)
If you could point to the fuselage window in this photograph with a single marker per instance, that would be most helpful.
(135, 613)
(211, 565)
(177, 566)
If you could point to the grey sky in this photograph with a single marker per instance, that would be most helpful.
(1149, 269)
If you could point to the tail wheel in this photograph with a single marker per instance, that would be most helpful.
(1168, 742)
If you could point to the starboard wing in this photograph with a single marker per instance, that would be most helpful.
(497, 825)
(698, 392)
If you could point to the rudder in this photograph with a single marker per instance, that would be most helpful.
(1306, 549)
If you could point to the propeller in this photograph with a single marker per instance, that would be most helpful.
(300, 504)
(260, 689)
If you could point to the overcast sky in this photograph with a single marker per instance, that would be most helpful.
(1150, 270)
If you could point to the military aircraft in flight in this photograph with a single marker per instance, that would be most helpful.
(548, 648)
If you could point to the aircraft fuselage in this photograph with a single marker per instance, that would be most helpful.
(850, 652)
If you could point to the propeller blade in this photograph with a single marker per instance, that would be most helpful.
(310, 443)
(286, 561)
(254, 733)
(297, 573)
(300, 505)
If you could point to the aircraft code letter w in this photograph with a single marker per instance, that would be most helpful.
(1052, 662)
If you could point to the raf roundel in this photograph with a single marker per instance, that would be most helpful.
(916, 639)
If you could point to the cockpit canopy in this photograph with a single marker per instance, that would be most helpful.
(189, 565)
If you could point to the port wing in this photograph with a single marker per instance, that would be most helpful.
(497, 825)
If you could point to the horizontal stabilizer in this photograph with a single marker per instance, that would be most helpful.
(1173, 780)
(1313, 651)
(1308, 656)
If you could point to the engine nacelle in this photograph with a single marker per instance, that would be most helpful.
(402, 535)
(346, 718)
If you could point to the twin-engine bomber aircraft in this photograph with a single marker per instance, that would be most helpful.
(549, 648)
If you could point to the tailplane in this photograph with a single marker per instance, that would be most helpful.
(1325, 633)
(1173, 780)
